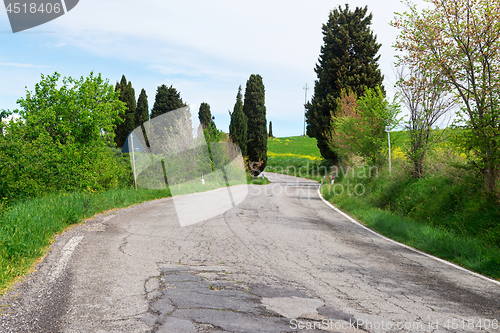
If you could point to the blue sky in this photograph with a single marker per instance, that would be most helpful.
(204, 48)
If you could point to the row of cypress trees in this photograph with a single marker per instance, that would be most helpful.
(348, 60)
(248, 126)
(135, 114)
(167, 99)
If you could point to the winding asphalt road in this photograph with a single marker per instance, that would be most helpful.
(281, 261)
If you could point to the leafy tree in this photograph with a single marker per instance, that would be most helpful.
(3, 114)
(460, 42)
(255, 111)
(348, 59)
(360, 124)
(426, 101)
(60, 139)
(270, 129)
(82, 111)
(239, 124)
(167, 99)
(142, 110)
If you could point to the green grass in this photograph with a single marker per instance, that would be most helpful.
(294, 146)
(441, 215)
(258, 180)
(296, 156)
(469, 252)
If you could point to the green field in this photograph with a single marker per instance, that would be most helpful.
(294, 146)
(297, 156)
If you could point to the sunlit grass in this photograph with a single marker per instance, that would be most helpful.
(295, 146)
(296, 156)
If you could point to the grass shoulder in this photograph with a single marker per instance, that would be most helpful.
(438, 215)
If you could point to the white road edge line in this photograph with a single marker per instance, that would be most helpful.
(66, 253)
(404, 245)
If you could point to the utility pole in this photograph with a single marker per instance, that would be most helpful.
(388, 130)
(133, 158)
(305, 102)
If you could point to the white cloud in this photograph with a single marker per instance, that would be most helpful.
(15, 64)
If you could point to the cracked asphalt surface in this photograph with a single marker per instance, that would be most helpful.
(282, 261)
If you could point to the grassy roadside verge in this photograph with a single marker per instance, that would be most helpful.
(448, 235)
(28, 228)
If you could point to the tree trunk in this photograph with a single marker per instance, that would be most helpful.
(418, 168)
(490, 177)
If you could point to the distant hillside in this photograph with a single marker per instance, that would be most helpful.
(302, 147)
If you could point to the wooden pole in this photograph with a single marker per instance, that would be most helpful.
(133, 159)
(388, 130)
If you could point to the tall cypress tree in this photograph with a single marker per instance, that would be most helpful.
(348, 59)
(207, 122)
(205, 116)
(167, 99)
(255, 110)
(127, 95)
(238, 125)
(142, 110)
(142, 113)
(270, 129)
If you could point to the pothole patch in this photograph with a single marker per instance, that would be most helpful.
(293, 307)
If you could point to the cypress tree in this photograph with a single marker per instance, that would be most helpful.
(167, 99)
(127, 95)
(142, 113)
(204, 115)
(238, 125)
(348, 60)
(208, 123)
(142, 110)
(270, 129)
(255, 111)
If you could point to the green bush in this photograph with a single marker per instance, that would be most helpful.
(61, 140)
